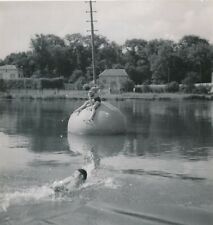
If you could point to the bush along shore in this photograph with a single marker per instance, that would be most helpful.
(56, 89)
(50, 94)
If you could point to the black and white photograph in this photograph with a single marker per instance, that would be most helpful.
(106, 112)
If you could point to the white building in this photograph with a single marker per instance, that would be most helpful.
(112, 79)
(9, 72)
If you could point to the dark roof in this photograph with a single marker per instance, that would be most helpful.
(8, 67)
(114, 72)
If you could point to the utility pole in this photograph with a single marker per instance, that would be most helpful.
(91, 11)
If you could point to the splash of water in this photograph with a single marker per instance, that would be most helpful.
(33, 194)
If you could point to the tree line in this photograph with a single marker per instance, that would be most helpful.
(156, 61)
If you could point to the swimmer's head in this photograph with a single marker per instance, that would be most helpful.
(80, 175)
(83, 174)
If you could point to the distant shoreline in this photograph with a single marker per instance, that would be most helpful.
(50, 94)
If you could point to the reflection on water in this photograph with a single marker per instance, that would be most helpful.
(183, 127)
(96, 147)
(104, 145)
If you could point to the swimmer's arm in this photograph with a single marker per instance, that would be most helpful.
(67, 180)
(62, 182)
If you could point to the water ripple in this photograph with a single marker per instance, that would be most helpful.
(163, 174)
(146, 217)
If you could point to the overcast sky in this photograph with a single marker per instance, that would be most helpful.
(117, 20)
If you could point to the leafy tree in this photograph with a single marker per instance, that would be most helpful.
(128, 85)
(161, 57)
(155, 61)
(1, 62)
(44, 48)
(172, 87)
(78, 50)
(197, 56)
(136, 60)
(75, 75)
(189, 82)
(3, 87)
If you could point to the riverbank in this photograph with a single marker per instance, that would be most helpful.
(49, 94)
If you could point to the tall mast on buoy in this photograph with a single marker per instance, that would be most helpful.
(92, 37)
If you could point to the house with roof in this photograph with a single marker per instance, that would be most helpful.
(9, 72)
(112, 79)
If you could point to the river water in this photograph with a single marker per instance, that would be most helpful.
(159, 172)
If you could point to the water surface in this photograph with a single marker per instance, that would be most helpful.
(159, 172)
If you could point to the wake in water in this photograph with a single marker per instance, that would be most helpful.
(66, 189)
(47, 192)
(33, 194)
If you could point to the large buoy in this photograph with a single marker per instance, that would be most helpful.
(108, 120)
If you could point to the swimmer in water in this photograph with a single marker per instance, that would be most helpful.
(70, 183)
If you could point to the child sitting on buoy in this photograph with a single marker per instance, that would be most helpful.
(94, 101)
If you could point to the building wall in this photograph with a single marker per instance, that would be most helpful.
(113, 83)
(9, 74)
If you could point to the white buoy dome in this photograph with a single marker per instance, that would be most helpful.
(108, 120)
